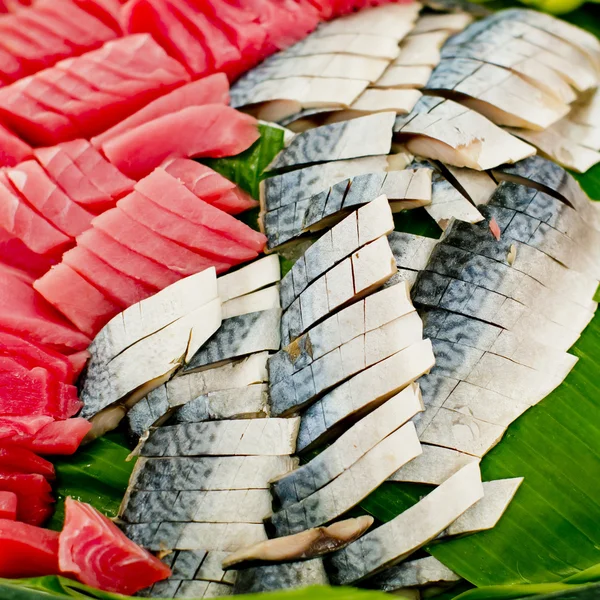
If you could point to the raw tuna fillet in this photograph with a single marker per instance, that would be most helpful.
(8, 506)
(34, 392)
(172, 195)
(30, 355)
(18, 219)
(202, 240)
(96, 552)
(210, 186)
(60, 166)
(106, 11)
(30, 52)
(140, 239)
(20, 460)
(27, 551)
(15, 253)
(210, 130)
(210, 90)
(25, 312)
(156, 18)
(12, 149)
(127, 261)
(78, 362)
(105, 176)
(34, 495)
(48, 199)
(60, 437)
(11, 68)
(83, 304)
(20, 431)
(116, 286)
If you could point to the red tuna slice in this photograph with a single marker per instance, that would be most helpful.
(127, 261)
(11, 67)
(106, 11)
(8, 507)
(27, 551)
(45, 196)
(21, 460)
(155, 17)
(210, 130)
(206, 242)
(13, 150)
(34, 392)
(30, 355)
(60, 166)
(19, 431)
(82, 303)
(78, 362)
(55, 46)
(60, 437)
(32, 119)
(210, 186)
(30, 52)
(20, 220)
(97, 553)
(15, 253)
(116, 286)
(140, 238)
(222, 53)
(100, 172)
(210, 90)
(34, 495)
(173, 196)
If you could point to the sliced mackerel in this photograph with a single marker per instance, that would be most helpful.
(362, 44)
(363, 393)
(392, 542)
(476, 186)
(415, 573)
(452, 22)
(246, 437)
(258, 274)
(348, 448)
(403, 76)
(352, 486)
(265, 299)
(380, 100)
(422, 49)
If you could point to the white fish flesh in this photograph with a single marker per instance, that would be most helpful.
(404, 76)
(258, 274)
(422, 49)
(265, 299)
(415, 573)
(452, 22)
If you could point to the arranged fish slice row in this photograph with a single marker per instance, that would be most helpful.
(79, 97)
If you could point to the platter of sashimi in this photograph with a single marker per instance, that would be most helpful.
(298, 296)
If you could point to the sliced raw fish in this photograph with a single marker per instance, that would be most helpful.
(42, 193)
(21, 460)
(264, 299)
(59, 437)
(106, 11)
(13, 150)
(404, 76)
(223, 251)
(210, 186)
(289, 575)
(34, 495)
(453, 22)
(88, 539)
(78, 362)
(27, 551)
(116, 286)
(166, 191)
(414, 573)
(20, 220)
(29, 354)
(252, 277)
(8, 506)
(15, 253)
(97, 169)
(25, 312)
(131, 263)
(225, 132)
(71, 179)
(139, 238)
(83, 304)
(213, 89)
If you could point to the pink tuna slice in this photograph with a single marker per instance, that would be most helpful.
(21, 460)
(210, 90)
(8, 506)
(95, 551)
(106, 11)
(27, 551)
(46, 197)
(127, 261)
(30, 355)
(173, 196)
(13, 150)
(15, 253)
(116, 286)
(60, 437)
(78, 360)
(223, 251)
(139, 238)
(82, 303)
(210, 186)
(217, 131)
(34, 495)
(25, 312)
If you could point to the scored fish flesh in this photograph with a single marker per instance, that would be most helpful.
(252, 277)
(413, 573)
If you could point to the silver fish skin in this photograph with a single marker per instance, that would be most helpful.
(269, 578)
(366, 136)
(414, 573)
(347, 449)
